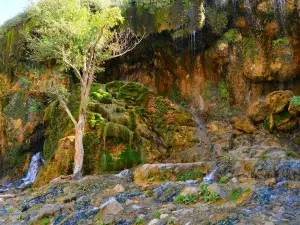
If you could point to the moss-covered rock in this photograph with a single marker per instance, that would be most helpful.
(135, 126)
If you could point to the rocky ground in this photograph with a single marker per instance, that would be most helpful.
(255, 190)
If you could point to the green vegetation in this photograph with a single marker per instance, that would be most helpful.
(223, 91)
(188, 199)
(161, 106)
(207, 195)
(295, 101)
(231, 35)
(140, 220)
(157, 214)
(190, 175)
(248, 47)
(283, 41)
(236, 193)
(204, 195)
(217, 19)
(224, 180)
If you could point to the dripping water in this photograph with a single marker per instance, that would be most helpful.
(36, 162)
(279, 9)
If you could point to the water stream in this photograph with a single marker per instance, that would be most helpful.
(36, 162)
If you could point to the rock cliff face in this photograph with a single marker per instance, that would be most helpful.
(213, 58)
(248, 49)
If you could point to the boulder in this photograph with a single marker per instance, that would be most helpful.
(243, 124)
(257, 111)
(277, 101)
(111, 207)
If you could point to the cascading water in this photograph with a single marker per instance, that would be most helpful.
(279, 8)
(36, 162)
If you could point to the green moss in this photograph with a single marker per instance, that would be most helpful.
(295, 101)
(161, 107)
(283, 41)
(132, 121)
(223, 91)
(190, 175)
(59, 124)
(34, 105)
(236, 193)
(95, 119)
(131, 91)
(281, 116)
(231, 35)
(248, 47)
(117, 130)
(217, 19)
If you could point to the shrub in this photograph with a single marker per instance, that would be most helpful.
(190, 175)
(217, 20)
(231, 35)
(295, 101)
(283, 41)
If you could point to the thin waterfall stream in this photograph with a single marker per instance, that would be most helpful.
(36, 162)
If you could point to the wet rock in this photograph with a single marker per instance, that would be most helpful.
(123, 197)
(155, 222)
(264, 169)
(111, 207)
(288, 170)
(165, 193)
(243, 124)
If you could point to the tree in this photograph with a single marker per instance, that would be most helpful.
(81, 34)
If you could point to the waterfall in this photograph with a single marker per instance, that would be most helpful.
(36, 162)
(210, 176)
(279, 8)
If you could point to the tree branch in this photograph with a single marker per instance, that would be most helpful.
(128, 50)
(66, 108)
(77, 73)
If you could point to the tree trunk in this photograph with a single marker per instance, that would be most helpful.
(79, 150)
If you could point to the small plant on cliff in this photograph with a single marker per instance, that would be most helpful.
(284, 41)
(217, 20)
(81, 35)
(187, 199)
(190, 175)
(231, 35)
(295, 101)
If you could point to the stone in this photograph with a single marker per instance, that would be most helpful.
(243, 124)
(7, 196)
(257, 111)
(118, 188)
(277, 101)
(189, 190)
(164, 216)
(129, 202)
(214, 188)
(168, 170)
(270, 181)
(111, 207)
(155, 222)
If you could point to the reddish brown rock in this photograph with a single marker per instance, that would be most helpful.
(257, 111)
(277, 101)
(243, 124)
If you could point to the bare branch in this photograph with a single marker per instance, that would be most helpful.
(123, 43)
(78, 74)
(66, 108)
